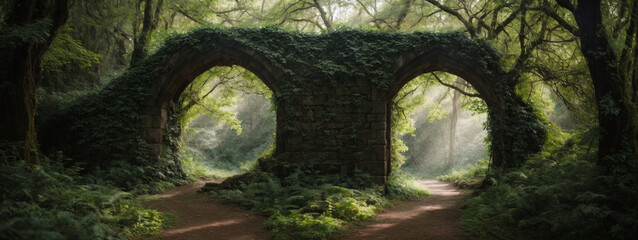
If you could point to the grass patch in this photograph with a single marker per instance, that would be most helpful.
(472, 177)
(402, 186)
(170, 220)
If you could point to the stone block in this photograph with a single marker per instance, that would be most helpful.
(348, 108)
(375, 168)
(367, 134)
(249, 51)
(375, 117)
(164, 115)
(379, 133)
(377, 125)
(363, 83)
(295, 139)
(378, 107)
(156, 148)
(343, 118)
(362, 108)
(371, 134)
(331, 142)
(356, 90)
(153, 135)
(314, 100)
(350, 83)
(378, 141)
(378, 180)
(398, 63)
(344, 153)
(147, 121)
(335, 125)
(296, 147)
(308, 125)
(310, 115)
(330, 155)
(150, 109)
(374, 94)
(359, 117)
(379, 151)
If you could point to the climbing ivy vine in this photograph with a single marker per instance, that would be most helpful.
(103, 131)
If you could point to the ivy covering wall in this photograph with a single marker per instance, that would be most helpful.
(103, 132)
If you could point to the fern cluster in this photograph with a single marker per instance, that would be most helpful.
(307, 205)
(46, 202)
(558, 194)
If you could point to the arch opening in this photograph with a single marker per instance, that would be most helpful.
(181, 69)
(507, 146)
(227, 120)
(437, 126)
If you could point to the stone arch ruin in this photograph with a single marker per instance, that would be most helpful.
(333, 95)
(183, 66)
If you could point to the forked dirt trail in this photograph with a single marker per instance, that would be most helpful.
(201, 217)
(430, 218)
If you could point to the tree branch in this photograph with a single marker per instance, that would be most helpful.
(561, 21)
(185, 14)
(323, 15)
(470, 28)
(455, 87)
(566, 4)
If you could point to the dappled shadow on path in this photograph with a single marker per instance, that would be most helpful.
(433, 218)
(201, 217)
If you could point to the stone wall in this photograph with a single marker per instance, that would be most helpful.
(346, 126)
(336, 121)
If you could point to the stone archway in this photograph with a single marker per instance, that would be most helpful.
(333, 115)
(496, 87)
(438, 58)
(181, 67)
(333, 94)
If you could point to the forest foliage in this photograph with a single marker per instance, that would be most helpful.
(544, 46)
(53, 202)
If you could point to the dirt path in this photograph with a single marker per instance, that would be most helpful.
(431, 218)
(201, 217)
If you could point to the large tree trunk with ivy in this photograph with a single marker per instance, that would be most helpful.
(28, 30)
(618, 143)
(149, 23)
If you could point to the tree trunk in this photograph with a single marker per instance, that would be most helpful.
(21, 69)
(454, 116)
(326, 20)
(616, 117)
(149, 23)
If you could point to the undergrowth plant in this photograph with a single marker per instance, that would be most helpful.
(558, 194)
(306, 205)
(468, 178)
(48, 202)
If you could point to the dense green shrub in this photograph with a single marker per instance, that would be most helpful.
(468, 178)
(45, 202)
(298, 225)
(558, 194)
(305, 205)
(401, 186)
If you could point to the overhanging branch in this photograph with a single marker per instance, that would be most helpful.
(455, 87)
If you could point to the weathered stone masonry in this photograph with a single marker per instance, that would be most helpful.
(340, 124)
